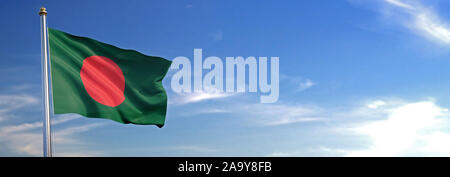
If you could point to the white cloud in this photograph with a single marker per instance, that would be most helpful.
(26, 138)
(424, 21)
(29, 126)
(185, 98)
(297, 84)
(196, 97)
(22, 87)
(21, 139)
(383, 127)
(281, 114)
(67, 140)
(265, 114)
(410, 129)
(261, 114)
(26, 142)
(376, 104)
(305, 85)
(9, 103)
(400, 4)
(75, 129)
(23, 143)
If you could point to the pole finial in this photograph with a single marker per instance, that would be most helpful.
(42, 11)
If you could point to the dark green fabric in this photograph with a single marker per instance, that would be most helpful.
(145, 98)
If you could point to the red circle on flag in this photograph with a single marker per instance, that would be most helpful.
(103, 80)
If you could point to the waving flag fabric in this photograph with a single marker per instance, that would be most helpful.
(99, 80)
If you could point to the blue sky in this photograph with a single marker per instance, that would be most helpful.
(357, 77)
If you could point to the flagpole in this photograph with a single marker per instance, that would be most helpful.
(45, 86)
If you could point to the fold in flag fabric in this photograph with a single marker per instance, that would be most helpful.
(98, 80)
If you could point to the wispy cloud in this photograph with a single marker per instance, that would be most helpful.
(185, 98)
(282, 113)
(67, 136)
(298, 84)
(196, 97)
(399, 4)
(9, 103)
(307, 83)
(25, 138)
(422, 20)
(29, 126)
(21, 139)
(22, 87)
(265, 114)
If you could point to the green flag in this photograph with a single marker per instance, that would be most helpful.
(99, 80)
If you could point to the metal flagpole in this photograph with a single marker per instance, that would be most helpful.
(45, 85)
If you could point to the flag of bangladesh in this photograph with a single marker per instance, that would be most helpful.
(99, 80)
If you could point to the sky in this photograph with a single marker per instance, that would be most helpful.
(357, 77)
